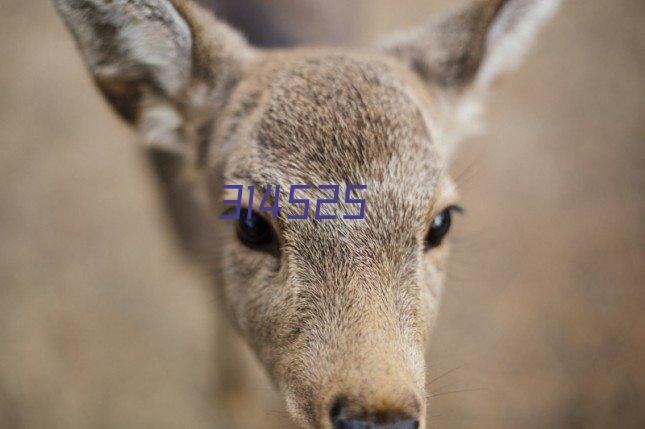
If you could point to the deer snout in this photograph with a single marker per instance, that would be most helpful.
(347, 414)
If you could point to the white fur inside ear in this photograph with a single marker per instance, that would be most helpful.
(470, 116)
(460, 117)
(160, 126)
(168, 56)
(511, 35)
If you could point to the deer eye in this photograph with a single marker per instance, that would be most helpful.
(254, 231)
(440, 226)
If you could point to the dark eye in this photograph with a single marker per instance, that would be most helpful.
(440, 227)
(254, 231)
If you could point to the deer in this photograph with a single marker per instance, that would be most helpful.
(338, 312)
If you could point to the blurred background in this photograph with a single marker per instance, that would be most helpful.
(103, 323)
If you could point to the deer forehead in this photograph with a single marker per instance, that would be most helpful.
(320, 117)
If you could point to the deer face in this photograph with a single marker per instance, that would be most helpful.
(338, 311)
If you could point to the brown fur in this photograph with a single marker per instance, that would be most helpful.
(344, 309)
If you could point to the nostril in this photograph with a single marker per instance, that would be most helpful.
(345, 415)
(338, 415)
(407, 424)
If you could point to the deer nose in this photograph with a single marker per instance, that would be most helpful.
(345, 415)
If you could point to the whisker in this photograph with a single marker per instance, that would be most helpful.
(440, 376)
(465, 176)
(450, 392)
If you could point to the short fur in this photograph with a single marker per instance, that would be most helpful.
(344, 310)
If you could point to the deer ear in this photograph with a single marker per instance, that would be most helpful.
(466, 51)
(474, 45)
(149, 56)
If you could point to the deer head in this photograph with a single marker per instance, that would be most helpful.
(338, 311)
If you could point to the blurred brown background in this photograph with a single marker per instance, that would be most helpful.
(104, 324)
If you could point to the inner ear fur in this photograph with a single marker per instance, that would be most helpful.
(474, 45)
